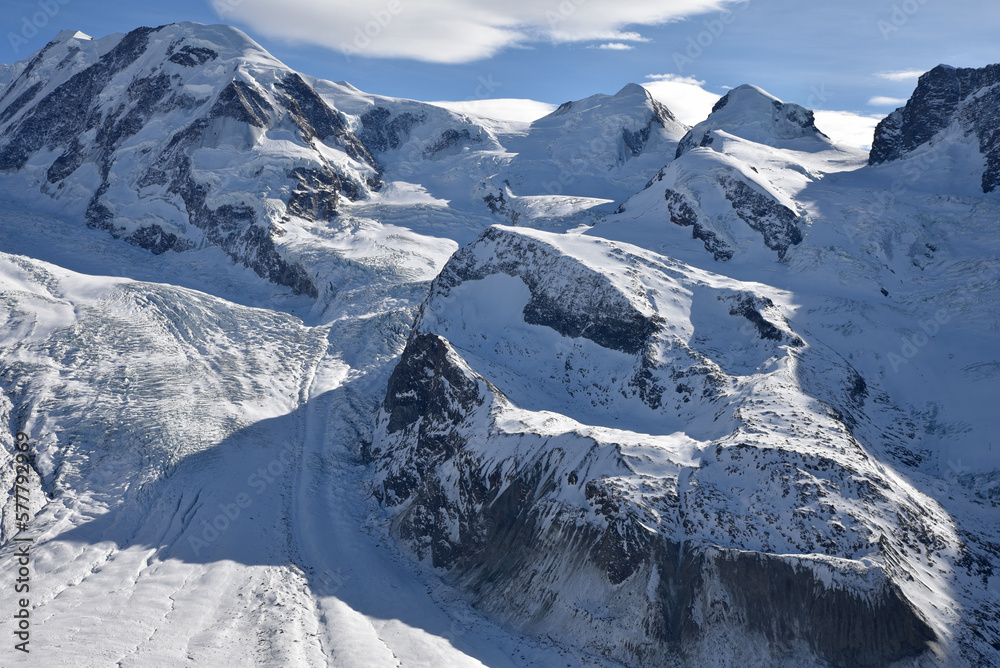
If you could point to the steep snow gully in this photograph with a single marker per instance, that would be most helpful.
(297, 375)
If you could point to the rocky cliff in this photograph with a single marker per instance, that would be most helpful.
(966, 98)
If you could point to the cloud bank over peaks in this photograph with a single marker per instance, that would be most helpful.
(453, 31)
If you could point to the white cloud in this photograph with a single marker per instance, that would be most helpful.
(504, 109)
(612, 46)
(882, 101)
(676, 78)
(845, 127)
(632, 37)
(684, 96)
(901, 75)
(452, 31)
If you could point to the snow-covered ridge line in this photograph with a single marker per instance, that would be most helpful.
(473, 452)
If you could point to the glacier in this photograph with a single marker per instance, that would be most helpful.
(315, 376)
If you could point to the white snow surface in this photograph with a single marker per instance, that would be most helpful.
(198, 494)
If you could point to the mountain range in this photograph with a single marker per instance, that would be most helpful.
(313, 376)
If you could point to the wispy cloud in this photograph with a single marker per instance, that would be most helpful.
(632, 37)
(677, 78)
(612, 46)
(900, 75)
(453, 31)
(882, 101)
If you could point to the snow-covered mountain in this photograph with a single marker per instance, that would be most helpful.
(314, 376)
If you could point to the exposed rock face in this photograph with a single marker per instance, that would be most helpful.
(451, 141)
(499, 205)
(946, 95)
(131, 115)
(614, 540)
(316, 195)
(775, 222)
(70, 110)
(682, 213)
(635, 140)
(591, 308)
(382, 131)
(750, 306)
(192, 56)
(710, 192)
(315, 119)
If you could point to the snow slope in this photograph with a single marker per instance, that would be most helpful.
(215, 520)
(320, 377)
(640, 430)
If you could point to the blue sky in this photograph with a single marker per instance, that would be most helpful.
(852, 55)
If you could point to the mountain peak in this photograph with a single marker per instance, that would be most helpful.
(66, 35)
(746, 94)
(632, 89)
(754, 114)
(945, 96)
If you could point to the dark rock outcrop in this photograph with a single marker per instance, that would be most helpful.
(591, 308)
(71, 109)
(234, 228)
(192, 56)
(381, 131)
(750, 306)
(316, 195)
(244, 103)
(682, 213)
(451, 141)
(499, 205)
(775, 221)
(635, 140)
(945, 95)
(315, 118)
